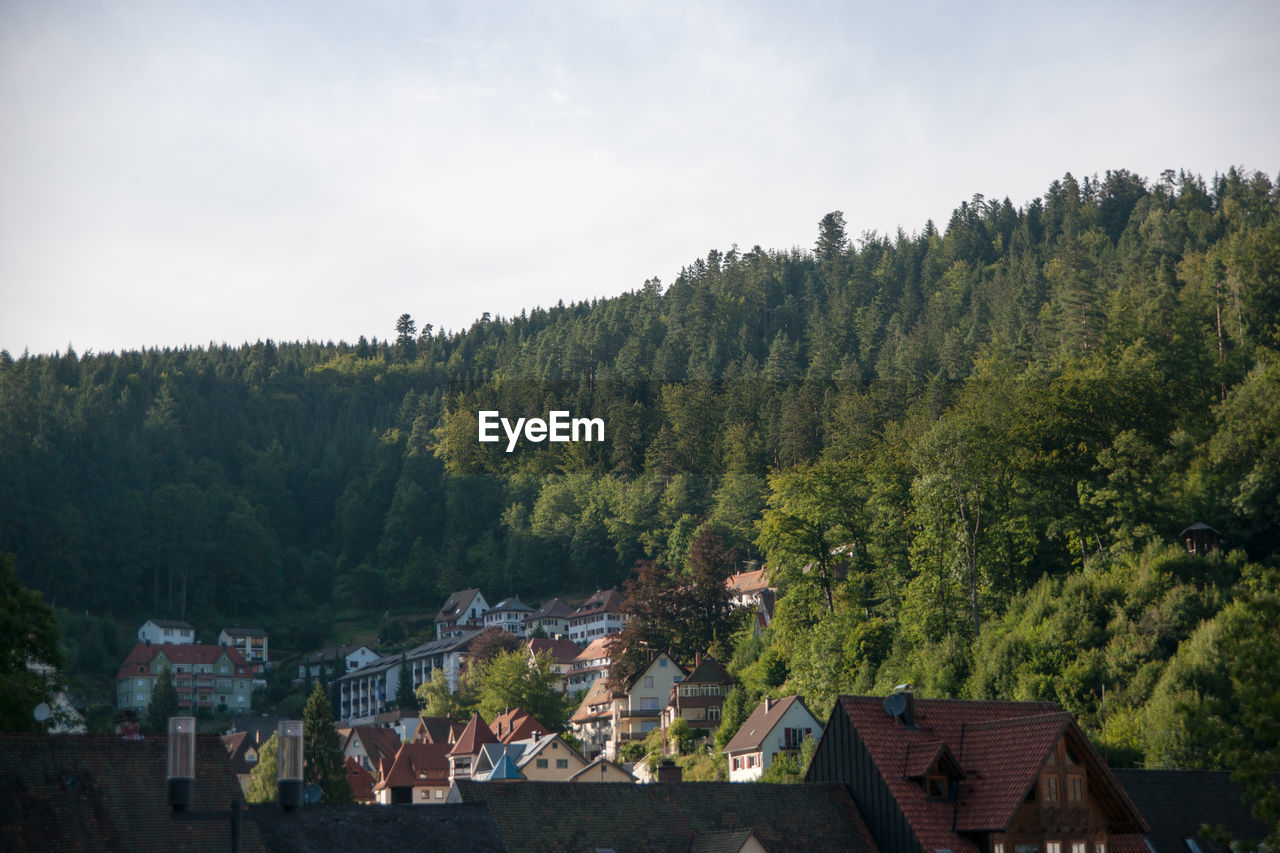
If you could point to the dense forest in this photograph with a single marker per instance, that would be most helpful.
(965, 453)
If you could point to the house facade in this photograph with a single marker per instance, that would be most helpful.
(173, 632)
(371, 690)
(251, 643)
(462, 611)
(592, 663)
(508, 615)
(417, 775)
(699, 698)
(205, 676)
(775, 726)
(592, 722)
(549, 759)
(552, 617)
(637, 711)
(562, 653)
(335, 661)
(975, 777)
(600, 615)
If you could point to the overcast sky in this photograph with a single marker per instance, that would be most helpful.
(183, 173)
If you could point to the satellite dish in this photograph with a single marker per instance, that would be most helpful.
(895, 704)
(311, 794)
(41, 713)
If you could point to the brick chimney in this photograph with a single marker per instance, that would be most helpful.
(669, 771)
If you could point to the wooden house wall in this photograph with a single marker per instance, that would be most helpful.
(842, 757)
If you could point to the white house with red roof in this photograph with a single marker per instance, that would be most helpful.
(205, 676)
(775, 726)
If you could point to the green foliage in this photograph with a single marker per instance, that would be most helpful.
(28, 632)
(322, 750)
(511, 680)
(164, 702)
(789, 768)
(262, 787)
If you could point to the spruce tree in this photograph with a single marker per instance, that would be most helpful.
(164, 702)
(322, 762)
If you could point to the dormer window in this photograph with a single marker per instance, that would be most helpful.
(1050, 786)
(937, 787)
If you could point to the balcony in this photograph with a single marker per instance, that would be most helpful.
(651, 713)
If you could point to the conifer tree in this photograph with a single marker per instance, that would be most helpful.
(164, 702)
(322, 763)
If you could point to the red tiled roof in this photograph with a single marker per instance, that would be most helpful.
(474, 736)
(921, 758)
(598, 648)
(101, 792)
(454, 604)
(553, 609)
(188, 654)
(604, 600)
(561, 651)
(598, 694)
(1000, 748)
(745, 582)
(377, 741)
(709, 671)
(762, 721)
(417, 764)
(361, 780)
(438, 730)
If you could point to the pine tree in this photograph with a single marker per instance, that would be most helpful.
(405, 698)
(322, 762)
(164, 702)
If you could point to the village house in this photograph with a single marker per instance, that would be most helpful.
(637, 709)
(602, 769)
(562, 653)
(592, 663)
(174, 632)
(508, 615)
(602, 614)
(251, 643)
(335, 661)
(463, 754)
(242, 748)
(549, 759)
(418, 774)
(205, 676)
(517, 724)
(751, 589)
(367, 746)
(462, 611)
(365, 693)
(975, 777)
(552, 617)
(592, 722)
(699, 698)
(775, 726)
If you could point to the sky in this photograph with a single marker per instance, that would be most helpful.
(176, 173)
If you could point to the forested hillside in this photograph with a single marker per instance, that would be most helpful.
(1002, 425)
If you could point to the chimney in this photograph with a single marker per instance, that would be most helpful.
(669, 771)
(697, 659)
(909, 710)
(768, 704)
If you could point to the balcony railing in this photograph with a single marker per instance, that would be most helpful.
(640, 712)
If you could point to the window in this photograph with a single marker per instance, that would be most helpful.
(439, 794)
(648, 681)
(1079, 847)
(713, 714)
(1053, 846)
(1075, 792)
(541, 763)
(935, 787)
(737, 764)
(240, 699)
(1050, 785)
(998, 847)
(662, 663)
(562, 763)
(1100, 847)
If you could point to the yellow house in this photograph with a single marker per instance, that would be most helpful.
(549, 759)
